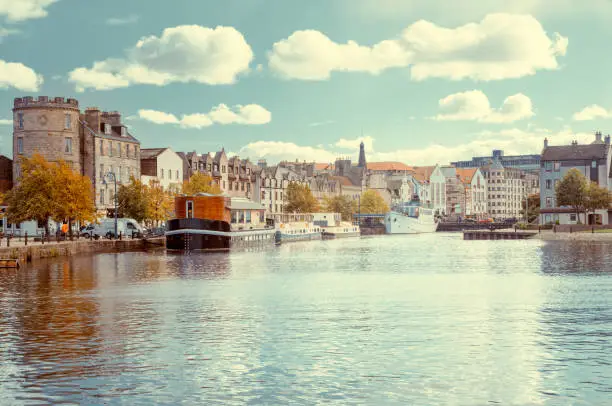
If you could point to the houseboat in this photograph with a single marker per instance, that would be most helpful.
(333, 226)
(295, 227)
(217, 223)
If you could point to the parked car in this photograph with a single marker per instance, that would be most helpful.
(106, 228)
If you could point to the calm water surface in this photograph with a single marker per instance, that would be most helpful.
(423, 320)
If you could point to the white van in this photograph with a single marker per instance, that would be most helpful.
(128, 228)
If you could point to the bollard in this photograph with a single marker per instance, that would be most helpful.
(120, 235)
(42, 238)
(26, 238)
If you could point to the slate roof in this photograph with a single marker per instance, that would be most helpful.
(149, 153)
(575, 152)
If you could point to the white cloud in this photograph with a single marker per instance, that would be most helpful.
(21, 10)
(6, 121)
(187, 53)
(368, 143)
(19, 76)
(592, 112)
(321, 123)
(501, 46)
(250, 114)
(512, 141)
(474, 105)
(131, 19)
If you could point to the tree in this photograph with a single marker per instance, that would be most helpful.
(300, 199)
(35, 197)
(200, 183)
(572, 191)
(373, 203)
(341, 204)
(75, 194)
(597, 198)
(533, 207)
(132, 200)
(160, 203)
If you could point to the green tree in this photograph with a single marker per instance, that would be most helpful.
(533, 207)
(133, 200)
(300, 199)
(373, 203)
(200, 183)
(341, 204)
(572, 191)
(35, 197)
(597, 198)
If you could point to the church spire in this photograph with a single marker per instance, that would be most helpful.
(362, 157)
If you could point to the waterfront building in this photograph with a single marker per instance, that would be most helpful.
(592, 160)
(274, 181)
(474, 192)
(93, 143)
(524, 162)
(445, 190)
(505, 190)
(163, 166)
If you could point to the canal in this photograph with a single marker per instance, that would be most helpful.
(407, 320)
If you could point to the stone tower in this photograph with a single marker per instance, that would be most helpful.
(46, 126)
(362, 158)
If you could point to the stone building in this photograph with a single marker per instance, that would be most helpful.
(94, 143)
(108, 148)
(593, 160)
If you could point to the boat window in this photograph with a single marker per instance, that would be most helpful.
(190, 209)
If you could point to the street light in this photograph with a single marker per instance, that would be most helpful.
(113, 178)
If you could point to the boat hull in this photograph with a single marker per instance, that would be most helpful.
(213, 235)
(332, 235)
(397, 223)
(281, 237)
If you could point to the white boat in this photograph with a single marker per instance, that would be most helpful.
(296, 227)
(410, 216)
(333, 226)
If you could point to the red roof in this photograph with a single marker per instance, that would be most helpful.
(324, 167)
(388, 166)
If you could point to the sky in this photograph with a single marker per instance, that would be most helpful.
(418, 81)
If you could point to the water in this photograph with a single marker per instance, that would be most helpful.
(407, 320)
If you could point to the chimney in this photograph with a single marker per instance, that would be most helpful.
(607, 139)
(92, 118)
(545, 142)
(598, 137)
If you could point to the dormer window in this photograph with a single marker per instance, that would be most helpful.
(107, 129)
(123, 131)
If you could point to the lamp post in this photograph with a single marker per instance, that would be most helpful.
(113, 178)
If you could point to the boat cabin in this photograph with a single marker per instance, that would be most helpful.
(240, 213)
(327, 219)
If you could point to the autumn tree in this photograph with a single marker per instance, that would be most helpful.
(532, 206)
(340, 204)
(200, 183)
(35, 197)
(299, 199)
(597, 198)
(75, 194)
(132, 200)
(373, 203)
(160, 203)
(572, 191)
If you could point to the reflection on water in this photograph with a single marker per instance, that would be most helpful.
(394, 320)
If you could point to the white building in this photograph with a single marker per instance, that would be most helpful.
(443, 189)
(162, 165)
(506, 191)
(475, 189)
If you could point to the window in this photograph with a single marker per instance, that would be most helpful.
(119, 174)
(123, 131)
(20, 145)
(162, 173)
(107, 129)
(110, 148)
(190, 209)
(101, 147)
(127, 150)
(20, 119)
(223, 184)
(231, 184)
(557, 166)
(101, 196)
(555, 218)
(119, 149)
(573, 217)
(177, 175)
(67, 121)
(594, 164)
(556, 183)
(68, 146)
(263, 195)
(548, 166)
(549, 202)
(548, 184)
(101, 171)
(248, 216)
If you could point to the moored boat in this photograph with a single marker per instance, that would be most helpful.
(333, 226)
(410, 216)
(295, 227)
(217, 223)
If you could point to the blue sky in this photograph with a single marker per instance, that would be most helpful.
(423, 82)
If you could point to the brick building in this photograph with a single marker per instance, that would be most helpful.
(6, 174)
